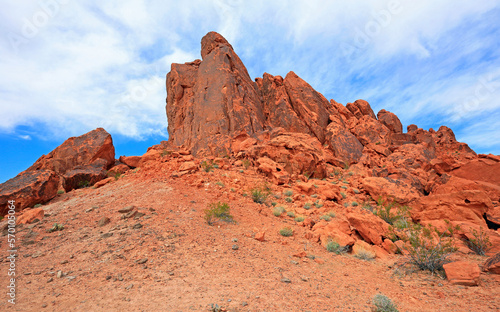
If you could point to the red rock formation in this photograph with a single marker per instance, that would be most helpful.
(78, 151)
(28, 188)
(78, 160)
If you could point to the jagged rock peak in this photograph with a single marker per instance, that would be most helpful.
(211, 41)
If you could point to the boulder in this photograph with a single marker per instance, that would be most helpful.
(131, 161)
(390, 120)
(481, 169)
(361, 108)
(462, 273)
(371, 228)
(396, 190)
(84, 176)
(369, 130)
(492, 265)
(461, 206)
(30, 215)
(78, 151)
(296, 153)
(28, 188)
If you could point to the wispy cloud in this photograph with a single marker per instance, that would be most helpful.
(77, 66)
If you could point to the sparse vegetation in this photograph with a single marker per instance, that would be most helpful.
(207, 165)
(37, 206)
(219, 211)
(83, 184)
(318, 204)
(260, 194)
(286, 231)
(115, 175)
(299, 219)
(335, 247)
(278, 211)
(60, 192)
(219, 183)
(307, 206)
(289, 199)
(383, 304)
(428, 249)
(325, 217)
(246, 163)
(291, 214)
(288, 193)
(391, 212)
(344, 196)
(356, 191)
(364, 254)
(480, 243)
(56, 227)
(332, 214)
(354, 204)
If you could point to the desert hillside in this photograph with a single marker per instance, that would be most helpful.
(266, 197)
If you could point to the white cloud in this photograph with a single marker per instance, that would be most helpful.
(104, 63)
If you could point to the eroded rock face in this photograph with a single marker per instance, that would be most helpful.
(210, 100)
(28, 188)
(78, 159)
(78, 151)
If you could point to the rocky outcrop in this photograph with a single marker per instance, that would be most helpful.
(208, 101)
(28, 188)
(78, 151)
(77, 162)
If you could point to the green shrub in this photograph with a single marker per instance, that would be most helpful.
(428, 249)
(278, 211)
(37, 206)
(332, 214)
(220, 184)
(314, 195)
(325, 217)
(344, 196)
(335, 247)
(318, 204)
(299, 219)
(286, 232)
(60, 192)
(289, 199)
(307, 206)
(56, 227)
(83, 184)
(219, 211)
(391, 212)
(383, 304)
(246, 163)
(291, 214)
(115, 175)
(346, 205)
(480, 244)
(207, 166)
(260, 194)
(356, 191)
(354, 204)
(343, 187)
(288, 193)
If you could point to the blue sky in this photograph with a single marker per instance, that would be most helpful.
(69, 67)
